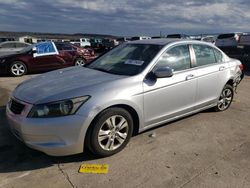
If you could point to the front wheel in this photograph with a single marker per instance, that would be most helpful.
(80, 62)
(110, 132)
(225, 98)
(18, 68)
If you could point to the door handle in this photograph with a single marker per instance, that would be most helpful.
(190, 76)
(222, 68)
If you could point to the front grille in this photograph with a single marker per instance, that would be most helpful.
(16, 107)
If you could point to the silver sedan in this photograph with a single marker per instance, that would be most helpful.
(134, 87)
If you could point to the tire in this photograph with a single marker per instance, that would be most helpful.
(18, 68)
(225, 99)
(103, 138)
(80, 62)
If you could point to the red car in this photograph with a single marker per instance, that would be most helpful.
(45, 56)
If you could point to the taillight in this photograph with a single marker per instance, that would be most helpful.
(241, 67)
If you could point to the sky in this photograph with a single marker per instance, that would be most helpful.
(125, 17)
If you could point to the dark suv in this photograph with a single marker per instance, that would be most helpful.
(45, 56)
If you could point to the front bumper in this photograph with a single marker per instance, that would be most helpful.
(58, 136)
(3, 68)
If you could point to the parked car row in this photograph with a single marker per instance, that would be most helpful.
(45, 56)
(236, 45)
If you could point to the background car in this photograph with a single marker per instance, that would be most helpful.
(44, 56)
(228, 39)
(12, 46)
(110, 43)
(178, 36)
(82, 42)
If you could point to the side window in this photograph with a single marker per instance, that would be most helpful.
(45, 48)
(21, 45)
(8, 45)
(68, 48)
(204, 55)
(177, 58)
(218, 56)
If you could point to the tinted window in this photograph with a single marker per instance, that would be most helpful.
(224, 36)
(67, 47)
(126, 59)
(21, 45)
(46, 47)
(204, 55)
(177, 58)
(8, 45)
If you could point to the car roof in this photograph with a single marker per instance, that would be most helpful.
(161, 41)
(5, 42)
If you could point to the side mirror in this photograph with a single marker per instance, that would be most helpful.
(163, 72)
(34, 51)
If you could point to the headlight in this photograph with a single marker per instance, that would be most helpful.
(2, 60)
(59, 108)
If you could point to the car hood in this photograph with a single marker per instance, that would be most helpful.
(4, 55)
(62, 84)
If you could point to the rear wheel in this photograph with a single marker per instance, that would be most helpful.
(225, 98)
(80, 62)
(110, 132)
(18, 68)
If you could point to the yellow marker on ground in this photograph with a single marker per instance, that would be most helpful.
(94, 168)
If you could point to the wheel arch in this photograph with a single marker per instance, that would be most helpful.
(230, 82)
(131, 110)
(18, 60)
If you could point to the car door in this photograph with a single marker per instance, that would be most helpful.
(169, 97)
(46, 57)
(211, 74)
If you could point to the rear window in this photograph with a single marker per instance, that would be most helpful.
(245, 38)
(224, 36)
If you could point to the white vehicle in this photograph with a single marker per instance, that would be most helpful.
(11, 46)
(81, 42)
(228, 39)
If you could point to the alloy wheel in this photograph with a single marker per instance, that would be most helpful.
(18, 69)
(225, 99)
(113, 133)
(79, 62)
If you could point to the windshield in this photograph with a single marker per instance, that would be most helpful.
(126, 59)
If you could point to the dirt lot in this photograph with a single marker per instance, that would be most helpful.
(204, 150)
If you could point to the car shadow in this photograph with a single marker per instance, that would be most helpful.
(16, 156)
